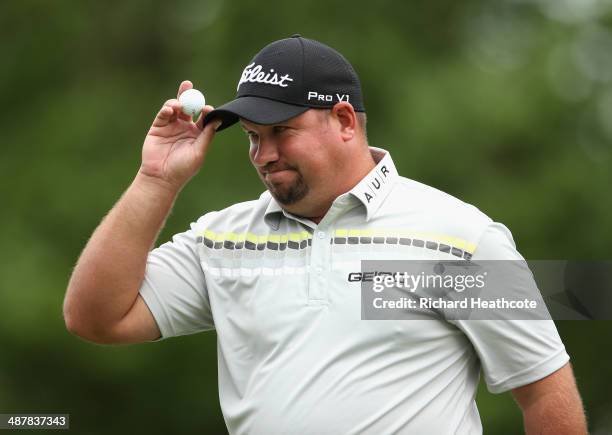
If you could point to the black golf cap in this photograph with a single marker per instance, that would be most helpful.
(288, 77)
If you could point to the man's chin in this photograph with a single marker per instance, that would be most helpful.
(288, 195)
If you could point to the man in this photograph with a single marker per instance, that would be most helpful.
(270, 275)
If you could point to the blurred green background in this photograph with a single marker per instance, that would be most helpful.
(506, 104)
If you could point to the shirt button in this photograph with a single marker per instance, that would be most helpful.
(321, 234)
(319, 270)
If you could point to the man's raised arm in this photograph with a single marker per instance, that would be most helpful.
(102, 302)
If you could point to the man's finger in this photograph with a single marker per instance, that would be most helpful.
(185, 84)
(205, 111)
(206, 136)
(164, 116)
(178, 112)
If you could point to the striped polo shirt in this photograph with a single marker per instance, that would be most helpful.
(295, 356)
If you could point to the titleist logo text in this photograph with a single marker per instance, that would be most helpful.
(254, 74)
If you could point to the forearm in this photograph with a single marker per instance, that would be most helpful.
(555, 414)
(105, 282)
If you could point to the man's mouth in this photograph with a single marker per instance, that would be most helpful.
(272, 169)
(277, 175)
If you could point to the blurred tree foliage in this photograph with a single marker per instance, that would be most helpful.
(505, 104)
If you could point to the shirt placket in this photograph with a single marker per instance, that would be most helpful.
(320, 264)
(320, 256)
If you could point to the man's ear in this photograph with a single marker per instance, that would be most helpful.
(344, 113)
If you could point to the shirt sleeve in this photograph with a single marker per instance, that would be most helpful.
(513, 353)
(174, 287)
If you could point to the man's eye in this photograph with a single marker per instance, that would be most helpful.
(279, 128)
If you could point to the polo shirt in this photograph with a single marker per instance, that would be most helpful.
(295, 356)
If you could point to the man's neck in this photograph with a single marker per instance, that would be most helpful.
(316, 220)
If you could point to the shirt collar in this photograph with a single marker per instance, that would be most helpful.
(371, 191)
(376, 185)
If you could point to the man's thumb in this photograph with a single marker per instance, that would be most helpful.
(206, 136)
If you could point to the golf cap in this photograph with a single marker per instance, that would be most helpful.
(288, 77)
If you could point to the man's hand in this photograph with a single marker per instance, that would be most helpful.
(552, 405)
(175, 146)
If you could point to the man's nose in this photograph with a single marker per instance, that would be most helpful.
(266, 151)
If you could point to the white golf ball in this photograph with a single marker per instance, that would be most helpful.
(192, 102)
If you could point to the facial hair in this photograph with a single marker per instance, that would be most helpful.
(288, 194)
